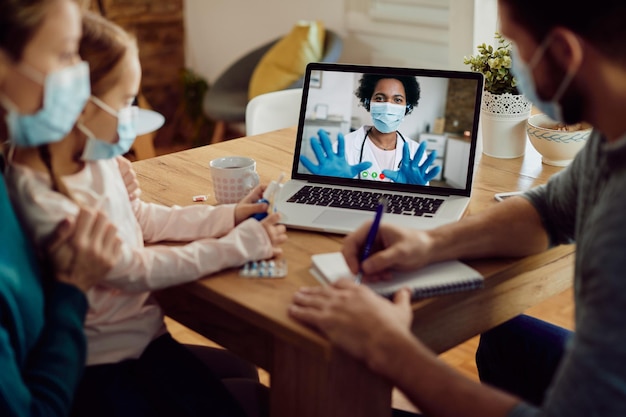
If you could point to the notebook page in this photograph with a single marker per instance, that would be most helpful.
(435, 279)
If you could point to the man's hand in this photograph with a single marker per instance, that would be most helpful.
(352, 316)
(394, 248)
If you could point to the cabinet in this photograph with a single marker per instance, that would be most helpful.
(456, 161)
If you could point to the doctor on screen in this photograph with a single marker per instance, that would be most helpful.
(378, 152)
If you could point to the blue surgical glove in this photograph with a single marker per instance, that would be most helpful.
(411, 172)
(331, 163)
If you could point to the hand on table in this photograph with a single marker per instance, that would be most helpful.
(331, 163)
(352, 316)
(411, 171)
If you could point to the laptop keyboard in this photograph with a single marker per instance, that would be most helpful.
(366, 200)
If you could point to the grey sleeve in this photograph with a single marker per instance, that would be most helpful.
(556, 202)
(591, 379)
(524, 410)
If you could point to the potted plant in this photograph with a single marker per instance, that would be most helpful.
(504, 110)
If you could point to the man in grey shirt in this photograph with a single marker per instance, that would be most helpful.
(570, 60)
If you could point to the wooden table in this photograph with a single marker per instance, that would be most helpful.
(249, 316)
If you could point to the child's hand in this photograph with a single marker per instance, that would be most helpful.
(130, 178)
(249, 206)
(276, 232)
(255, 195)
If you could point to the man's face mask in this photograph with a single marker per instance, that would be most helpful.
(387, 116)
(99, 149)
(526, 84)
(65, 94)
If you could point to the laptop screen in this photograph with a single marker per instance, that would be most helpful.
(386, 128)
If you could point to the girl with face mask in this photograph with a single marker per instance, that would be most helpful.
(380, 152)
(42, 89)
(127, 339)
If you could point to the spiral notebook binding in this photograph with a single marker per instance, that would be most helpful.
(436, 291)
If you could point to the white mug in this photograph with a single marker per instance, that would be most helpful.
(233, 178)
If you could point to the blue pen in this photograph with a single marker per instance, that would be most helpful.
(371, 236)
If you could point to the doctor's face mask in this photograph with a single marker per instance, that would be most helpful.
(387, 116)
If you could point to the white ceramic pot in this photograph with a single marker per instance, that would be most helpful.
(556, 147)
(503, 124)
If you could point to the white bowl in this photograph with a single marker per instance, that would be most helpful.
(556, 147)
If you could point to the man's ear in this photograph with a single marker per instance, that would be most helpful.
(567, 49)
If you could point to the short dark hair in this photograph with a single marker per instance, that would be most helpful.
(600, 22)
(368, 82)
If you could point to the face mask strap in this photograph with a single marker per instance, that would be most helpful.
(85, 130)
(7, 103)
(569, 76)
(534, 61)
(31, 73)
(98, 102)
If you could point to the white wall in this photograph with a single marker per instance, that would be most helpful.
(221, 31)
(417, 33)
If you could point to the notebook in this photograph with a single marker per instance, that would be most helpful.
(445, 116)
(433, 280)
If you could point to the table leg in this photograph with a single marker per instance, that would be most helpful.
(305, 385)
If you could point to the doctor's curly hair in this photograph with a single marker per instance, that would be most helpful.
(368, 82)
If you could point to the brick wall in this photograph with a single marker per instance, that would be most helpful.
(159, 28)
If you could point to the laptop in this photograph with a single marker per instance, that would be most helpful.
(338, 198)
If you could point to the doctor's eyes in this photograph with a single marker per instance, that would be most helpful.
(395, 99)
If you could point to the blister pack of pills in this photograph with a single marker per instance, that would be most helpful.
(274, 268)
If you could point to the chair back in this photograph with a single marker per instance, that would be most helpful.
(273, 111)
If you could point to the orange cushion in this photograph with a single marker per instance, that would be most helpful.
(285, 62)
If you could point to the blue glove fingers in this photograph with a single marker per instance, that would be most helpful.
(314, 169)
(419, 154)
(429, 160)
(320, 155)
(341, 146)
(432, 173)
(392, 175)
(406, 156)
(326, 142)
(356, 169)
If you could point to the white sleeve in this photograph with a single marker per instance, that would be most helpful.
(154, 267)
(176, 223)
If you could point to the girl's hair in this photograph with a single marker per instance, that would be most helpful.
(368, 82)
(103, 45)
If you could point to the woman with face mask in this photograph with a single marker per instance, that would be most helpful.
(42, 345)
(379, 152)
(134, 366)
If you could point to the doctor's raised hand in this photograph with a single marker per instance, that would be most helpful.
(331, 163)
(411, 171)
